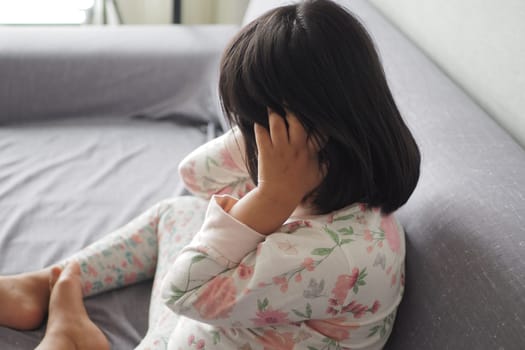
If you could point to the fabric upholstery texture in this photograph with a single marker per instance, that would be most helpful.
(66, 183)
(156, 72)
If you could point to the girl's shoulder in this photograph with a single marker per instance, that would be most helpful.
(356, 224)
(357, 214)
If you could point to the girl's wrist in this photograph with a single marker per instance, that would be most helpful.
(263, 210)
(283, 195)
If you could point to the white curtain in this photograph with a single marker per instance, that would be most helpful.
(213, 11)
(193, 11)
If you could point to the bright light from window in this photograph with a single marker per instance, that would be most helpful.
(44, 12)
(85, 4)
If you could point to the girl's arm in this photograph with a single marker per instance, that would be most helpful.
(232, 276)
(228, 275)
(217, 167)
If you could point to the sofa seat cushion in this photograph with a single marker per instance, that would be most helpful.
(64, 184)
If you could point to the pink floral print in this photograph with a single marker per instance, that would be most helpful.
(227, 160)
(308, 264)
(336, 328)
(270, 317)
(188, 174)
(273, 340)
(211, 169)
(245, 271)
(217, 299)
(389, 226)
(343, 285)
(196, 344)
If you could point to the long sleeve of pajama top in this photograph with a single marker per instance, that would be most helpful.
(319, 282)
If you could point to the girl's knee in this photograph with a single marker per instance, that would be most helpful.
(181, 204)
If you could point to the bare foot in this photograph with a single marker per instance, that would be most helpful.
(68, 324)
(24, 299)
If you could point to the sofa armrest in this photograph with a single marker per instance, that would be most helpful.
(151, 71)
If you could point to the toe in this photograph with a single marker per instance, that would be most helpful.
(53, 276)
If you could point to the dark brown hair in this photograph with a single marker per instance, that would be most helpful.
(315, 59)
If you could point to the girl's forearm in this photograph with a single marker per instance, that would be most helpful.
(262, 211)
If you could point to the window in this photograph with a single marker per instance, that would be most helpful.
(46, 12)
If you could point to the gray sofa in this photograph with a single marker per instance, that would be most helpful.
(94, 122)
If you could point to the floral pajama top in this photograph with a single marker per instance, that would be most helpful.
(320, 282)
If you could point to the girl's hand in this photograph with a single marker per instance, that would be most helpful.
(288, 167)
(288, 164)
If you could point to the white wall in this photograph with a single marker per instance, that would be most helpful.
(479, 43)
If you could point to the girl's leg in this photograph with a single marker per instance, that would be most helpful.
(126, 256)
(180, 219)
(68, 324)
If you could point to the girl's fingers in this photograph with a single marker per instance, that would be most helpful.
(315, 143)
(278, 132)
(297, 133)
(67, 292)
(262, 138)
(72, 269)
(53, 277)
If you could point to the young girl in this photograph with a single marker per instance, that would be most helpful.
(292, 243)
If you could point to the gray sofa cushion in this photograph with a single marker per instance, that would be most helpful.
(66, 183)
(65, 72)
(465, 223)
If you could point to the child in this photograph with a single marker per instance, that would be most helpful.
(292, 244)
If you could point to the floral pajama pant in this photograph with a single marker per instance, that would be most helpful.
(144, 248)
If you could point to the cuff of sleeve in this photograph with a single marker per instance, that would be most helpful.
(224, 237)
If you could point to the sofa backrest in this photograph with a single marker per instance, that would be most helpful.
(148, 71)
